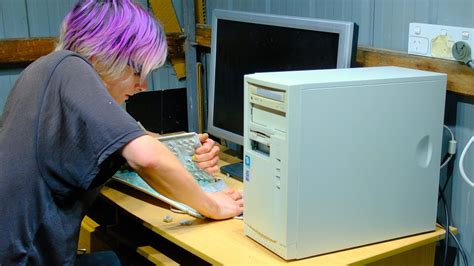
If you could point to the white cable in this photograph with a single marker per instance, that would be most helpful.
(461, 162)
(451, 148)
(450, 131)
(446, 162)
(470, 64)
(176, 210)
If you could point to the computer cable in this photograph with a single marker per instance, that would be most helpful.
(446, 183)
(176, 210)
(461, 250)
(449, 233)
(462, 52)
(446, 235)
(451, 151)
(451, 147)
(461, 163)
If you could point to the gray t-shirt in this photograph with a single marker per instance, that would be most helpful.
(59, 139)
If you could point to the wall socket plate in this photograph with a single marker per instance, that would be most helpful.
(437, 40)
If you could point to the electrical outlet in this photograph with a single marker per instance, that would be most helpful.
(419, 45)
(437, 40)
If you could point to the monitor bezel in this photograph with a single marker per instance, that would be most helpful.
(344, 54)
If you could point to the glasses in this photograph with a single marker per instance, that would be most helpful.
(137, 68)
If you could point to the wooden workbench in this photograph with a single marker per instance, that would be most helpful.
(223, 242)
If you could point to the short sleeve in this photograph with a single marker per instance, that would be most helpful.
(79, 126)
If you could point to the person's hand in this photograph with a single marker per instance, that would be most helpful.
(207, 156)
(229, 204)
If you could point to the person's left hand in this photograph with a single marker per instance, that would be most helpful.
(207, 156)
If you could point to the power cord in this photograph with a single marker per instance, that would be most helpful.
(462, 51)
(451, 153)
(451, 147)
(446, 235)
(449, 233)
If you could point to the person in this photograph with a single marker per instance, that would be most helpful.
(63, 134)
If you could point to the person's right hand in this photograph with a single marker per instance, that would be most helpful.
(229, 204)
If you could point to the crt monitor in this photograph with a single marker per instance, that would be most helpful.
(244, 43)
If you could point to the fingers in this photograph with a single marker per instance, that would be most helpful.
(230, 204)
(240, 202)
(208, 163)
(212, 170)
(207, 156)
(203, 137)
(234, 194)
(208, 146)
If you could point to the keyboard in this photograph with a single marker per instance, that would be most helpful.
(182, 146)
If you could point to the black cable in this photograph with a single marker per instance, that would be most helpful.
(449, 175)
(463, 254)
(461, 249)
(446, 213)
(446, 235)
(449, 233)
(446, 183)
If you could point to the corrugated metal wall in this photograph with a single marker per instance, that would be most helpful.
(360, 11)
(42, 18)
(382, 24)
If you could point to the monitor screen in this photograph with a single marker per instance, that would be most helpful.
(162, 111)
(244, 43)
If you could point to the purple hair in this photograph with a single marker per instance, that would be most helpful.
(116, 33)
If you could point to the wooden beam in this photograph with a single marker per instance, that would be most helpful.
(203, 35)
(24, 51)
(175, 42)
(460, 76)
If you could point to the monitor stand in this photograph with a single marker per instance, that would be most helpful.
(234, 170)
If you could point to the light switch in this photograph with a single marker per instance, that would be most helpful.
(417, 30)
(465, 35)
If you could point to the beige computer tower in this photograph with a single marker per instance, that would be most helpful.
(335, 159)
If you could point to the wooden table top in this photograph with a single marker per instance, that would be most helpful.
(223, 242)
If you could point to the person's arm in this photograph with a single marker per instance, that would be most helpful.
(206, 156)
(153, 134)
(163, 171)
